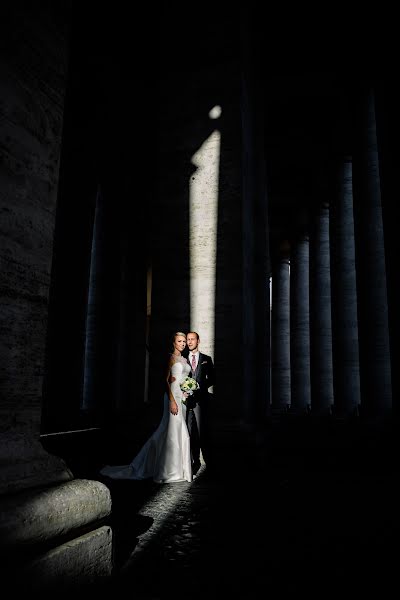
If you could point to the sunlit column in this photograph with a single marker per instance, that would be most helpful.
(203, 217)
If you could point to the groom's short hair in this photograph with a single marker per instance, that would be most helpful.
(194, 333)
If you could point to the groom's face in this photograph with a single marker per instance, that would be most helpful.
(192, 342)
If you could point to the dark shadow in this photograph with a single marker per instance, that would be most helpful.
(126, 521)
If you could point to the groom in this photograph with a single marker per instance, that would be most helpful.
(198, 405)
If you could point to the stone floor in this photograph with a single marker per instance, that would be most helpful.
(290, 511)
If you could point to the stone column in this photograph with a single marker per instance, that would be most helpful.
(130, 377)
(388, 135)
(196, 230)
(346, 376)
(52, 525)
(255, 249)
(373, 331)
(31, 117)
(300, 327)
(320, 314)
(280, 333)
(103, 337)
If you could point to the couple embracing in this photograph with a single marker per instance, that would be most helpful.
(172, 453)
(197, 404)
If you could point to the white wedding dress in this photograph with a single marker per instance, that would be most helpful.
(165, 457)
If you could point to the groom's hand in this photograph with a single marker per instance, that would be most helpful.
(171, 379)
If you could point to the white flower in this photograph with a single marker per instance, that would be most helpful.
(189, 385)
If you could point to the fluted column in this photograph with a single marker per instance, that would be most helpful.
(346, 377)
(375, 371)
(388, 135)
(320, 314)
(280, 334)
(300, 327)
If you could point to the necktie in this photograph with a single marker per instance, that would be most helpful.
(193, 363)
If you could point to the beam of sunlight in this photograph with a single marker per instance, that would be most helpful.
(168, 500)
(203, 224)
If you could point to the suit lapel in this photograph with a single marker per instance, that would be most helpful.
(198, 370)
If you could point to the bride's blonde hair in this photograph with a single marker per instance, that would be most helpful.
(175, 336)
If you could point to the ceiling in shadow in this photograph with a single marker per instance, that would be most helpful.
(140, 60)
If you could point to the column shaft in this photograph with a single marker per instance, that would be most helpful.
(300, 327)
(346, 377)
(280, 337)
(320, 315)
(375, 375)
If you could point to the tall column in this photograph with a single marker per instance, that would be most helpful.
(320, 315)
(32, 114)
(300, 327)
(280, 334)
(42, 504)
(388, 134)
(375, 371)
(255, 247)
(103, 338)
(116, 308)
(346, 376)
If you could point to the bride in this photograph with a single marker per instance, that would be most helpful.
(165, 457)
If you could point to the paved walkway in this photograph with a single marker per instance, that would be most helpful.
(287, 516)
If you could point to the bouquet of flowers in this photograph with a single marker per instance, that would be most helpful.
(189, 385)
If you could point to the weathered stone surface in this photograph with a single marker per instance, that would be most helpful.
(83, 561)
(37, 516)
(24, 463)
(33, 80)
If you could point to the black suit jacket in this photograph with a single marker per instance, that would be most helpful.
(205, 377)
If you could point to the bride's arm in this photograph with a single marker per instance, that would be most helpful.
(173, 407)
